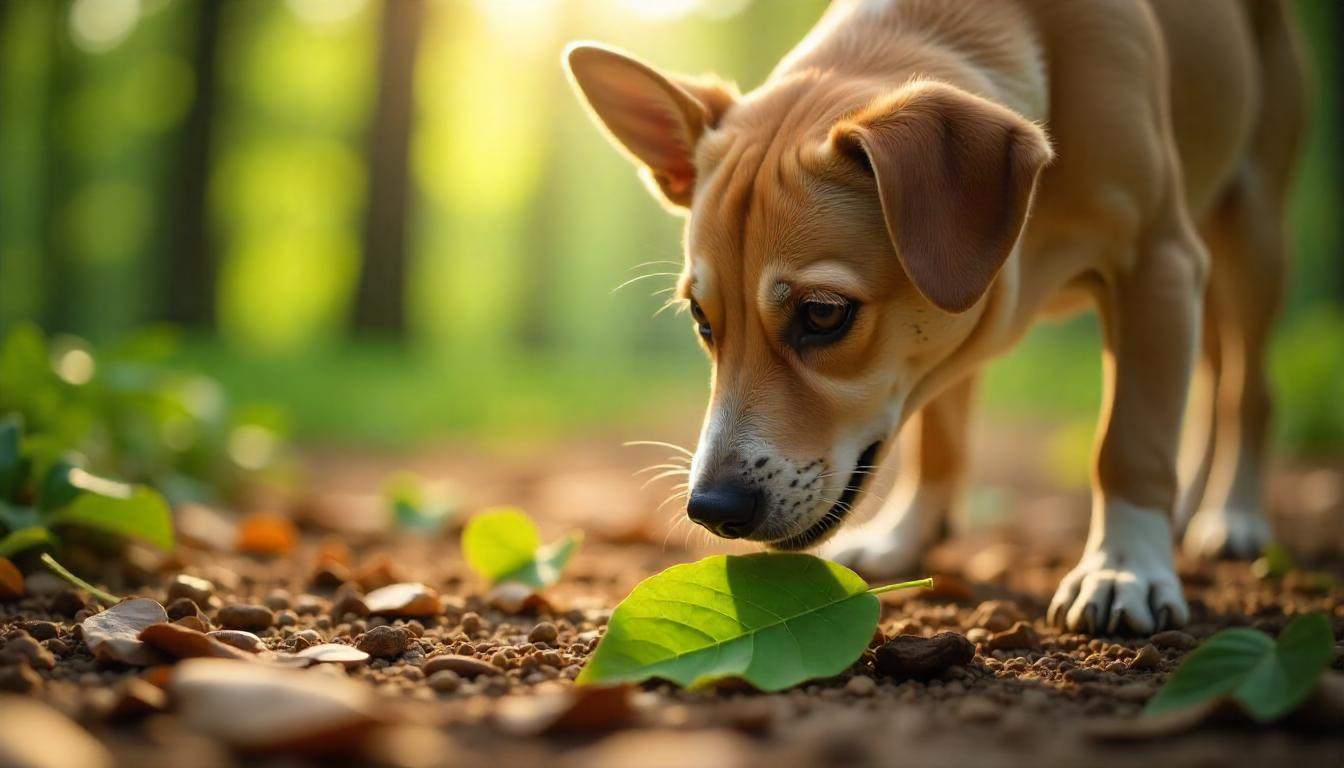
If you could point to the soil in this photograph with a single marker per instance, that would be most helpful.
(478, 680)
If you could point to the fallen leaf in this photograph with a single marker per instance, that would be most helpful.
(504, 545)
(267, 707)
(37, 736)
(334, 653)
(11, 581)
(404, 599)
(114, 634)
(266, 533)
(587, 709)
(184, 643)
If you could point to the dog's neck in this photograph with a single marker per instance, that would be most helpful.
(890, 42)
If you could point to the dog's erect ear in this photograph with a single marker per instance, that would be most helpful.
(656, 118)
(955, 175)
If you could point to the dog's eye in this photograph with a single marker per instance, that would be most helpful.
(701, 322)
(821, 322)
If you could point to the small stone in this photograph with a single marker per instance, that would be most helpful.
(250, 618)
(277, 599)
(1021, 635)
(1174, 638)
(444, 681)
(23, 648)
(464, 666)
(197, 590)
(193, 622)
(182, 606)
(69, 602)
(305, 638)
(977, 709)
(41, 630)
(19, 678)
(544, 632)
(861, 685)
(384, 641)
(349, 603)
(915, 657)
(471, 622)
(1080, 675)
(243, 641)
(404, 599)
(286, 618)
(997, 615)
(978, 635)
(334, 653)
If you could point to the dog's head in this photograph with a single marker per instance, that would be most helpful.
(840, 240)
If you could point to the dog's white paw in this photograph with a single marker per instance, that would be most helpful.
(894, 543)
(1126, 580)
(1217, 532)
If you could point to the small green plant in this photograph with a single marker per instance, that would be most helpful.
(503, 545)
(36, 501)
(773, 620)
(416, 504)
(1267, 678)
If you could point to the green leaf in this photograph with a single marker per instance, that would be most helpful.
(503, 545)
(1274, 562)
(11, 431)
(26, 538)
(15, 517)
(773, 620)
(114, 507)
(1267, 678)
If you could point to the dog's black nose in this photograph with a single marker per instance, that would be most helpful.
(728, 509)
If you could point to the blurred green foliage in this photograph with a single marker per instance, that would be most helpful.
(522, 219)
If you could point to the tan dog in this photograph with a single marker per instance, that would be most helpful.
(915, 183)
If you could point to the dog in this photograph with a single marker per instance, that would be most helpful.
(916, 182)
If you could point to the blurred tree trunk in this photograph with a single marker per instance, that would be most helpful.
(190, 295)
(380, 303)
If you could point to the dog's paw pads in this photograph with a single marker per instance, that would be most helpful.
(1216, 532)
(1101, 597)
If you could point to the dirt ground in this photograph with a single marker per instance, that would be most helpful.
(1040, 698)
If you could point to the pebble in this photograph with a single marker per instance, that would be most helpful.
(182, 607)
(69, 602)
(997, 615)
(464, 666)
(912, 656)
(250, 618)
(25, 648)
(384, 641)
(544, 632)
(471, 622)
(1021, 635)
(239, 639)
(1080, 675)
(41, 630)
(195, 589)
(977, 709)
(444, 681)
(349, 603)
(861, 685)
(277, 600)
(305, 639)
(1174, 638)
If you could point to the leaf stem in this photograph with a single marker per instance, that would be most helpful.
(921, 583)
(60, 570)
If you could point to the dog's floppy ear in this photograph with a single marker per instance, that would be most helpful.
(955, 175)
(654, 117)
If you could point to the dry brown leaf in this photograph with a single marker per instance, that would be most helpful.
(334, 653)
(114, 634)
(265, 707)
(266, 533)
(185, 643)
(11, 581)
(404, 599)
(586, 709)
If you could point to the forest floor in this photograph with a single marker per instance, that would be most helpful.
(1035, 697)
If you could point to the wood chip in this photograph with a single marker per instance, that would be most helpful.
(11, 581)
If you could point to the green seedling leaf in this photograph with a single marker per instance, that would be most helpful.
(1267, 678)
(773, 620)
(26, 538)
(11, 462)
(415, 504)
(61, 571)
(1273, 563)
(503, 545)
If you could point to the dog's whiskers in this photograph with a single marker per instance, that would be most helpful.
(689, 453)
(637, 278)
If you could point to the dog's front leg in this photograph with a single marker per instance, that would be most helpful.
(932, 474)
(1126, 579)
